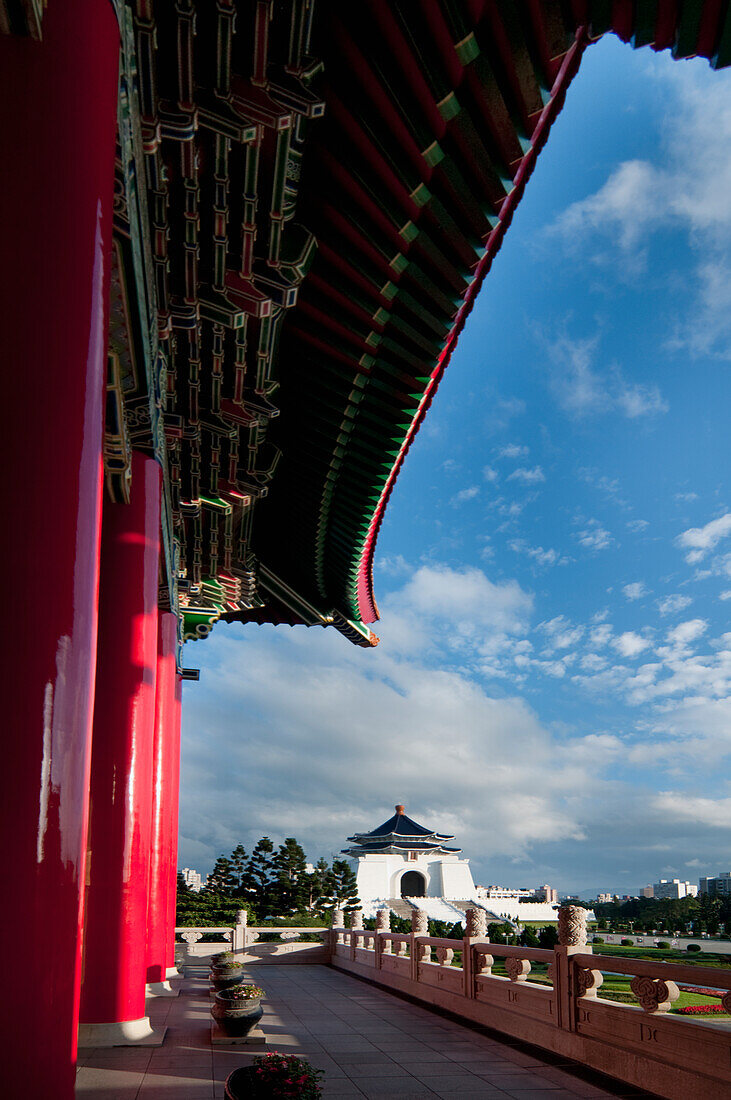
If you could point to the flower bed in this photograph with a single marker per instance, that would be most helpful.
(701, 1010)
(704, 990)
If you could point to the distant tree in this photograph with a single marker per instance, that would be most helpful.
(290, 888)
(259, 877)
(548, 937)
(222, 880)
(239, 861)
(316, 884)
(341, 887)
(183, 890)
(529, 938)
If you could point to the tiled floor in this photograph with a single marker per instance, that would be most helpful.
(369, 1043)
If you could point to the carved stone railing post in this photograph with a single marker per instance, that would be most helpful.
(356, 924)
(337, 921)
(419, 927)
(475, 930)
(572, 926)
(383, 924)
(571, 941)
(445, 955)
(239, 935)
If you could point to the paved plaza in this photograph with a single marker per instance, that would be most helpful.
(369, 1043)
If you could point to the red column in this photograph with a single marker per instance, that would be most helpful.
(57, 131)
(115, 963)
(165, 779)
(174, 818)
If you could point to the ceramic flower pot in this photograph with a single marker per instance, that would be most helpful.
(223, 977)
(236, 1016)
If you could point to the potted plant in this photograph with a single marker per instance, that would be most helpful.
(237, 1009)
(275, 1075)
(226, 972)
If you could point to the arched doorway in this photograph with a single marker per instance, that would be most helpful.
(413, 885)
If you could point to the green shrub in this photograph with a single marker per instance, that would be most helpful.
(663, 945)
(598, 939)
(693, 947)
(629, 943)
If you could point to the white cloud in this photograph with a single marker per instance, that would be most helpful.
(465, 596)
(713, 812)
(512, 450)
(639, 198)
(638, 525)
(630, 644)
(725, 595)
(686, 497)
(594, 536)
(489, 473)
(670, 605)
(635, 591)
(583, 390)
(529, 476)
(540, 556)
(685, 633)
(698, 541)
(464, 495)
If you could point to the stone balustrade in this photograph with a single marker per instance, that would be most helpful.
(551, 999)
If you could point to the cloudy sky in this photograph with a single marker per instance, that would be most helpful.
(554, 572)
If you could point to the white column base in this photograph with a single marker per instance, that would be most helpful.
(122, 1033)
(160, 989)
(172, 972)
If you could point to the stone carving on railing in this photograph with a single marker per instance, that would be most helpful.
(654, 994)
(424, 953)
(517, 969)
(445, 956)
(726, 1002)
(551, 973)
(289, 935)
(476, 923)
(420, 922)
(191, 937)
(356, 919)
(399, 948)
(226, 936)
(483, 963)
(572, 926)
(587, 982)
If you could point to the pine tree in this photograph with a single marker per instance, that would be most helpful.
(183, 890)
(222, 880)
(316, 884)
(289, 891)
(259, 876)
(239, 861)
(341, 887)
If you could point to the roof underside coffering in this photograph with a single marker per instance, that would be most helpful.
(324, 187)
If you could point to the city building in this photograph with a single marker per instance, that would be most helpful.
(718, 886)
(647, 892)
(605, 899)
(673, 888)
(193, 879)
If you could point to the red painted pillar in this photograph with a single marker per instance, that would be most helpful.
(57, 131)
(165, 779)
(115, 963)
(174, 818)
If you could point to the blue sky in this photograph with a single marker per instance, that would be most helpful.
(554, 570)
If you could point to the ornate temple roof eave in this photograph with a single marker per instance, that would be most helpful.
(365, 598)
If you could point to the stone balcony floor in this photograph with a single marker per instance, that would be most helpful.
(369, 1042)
